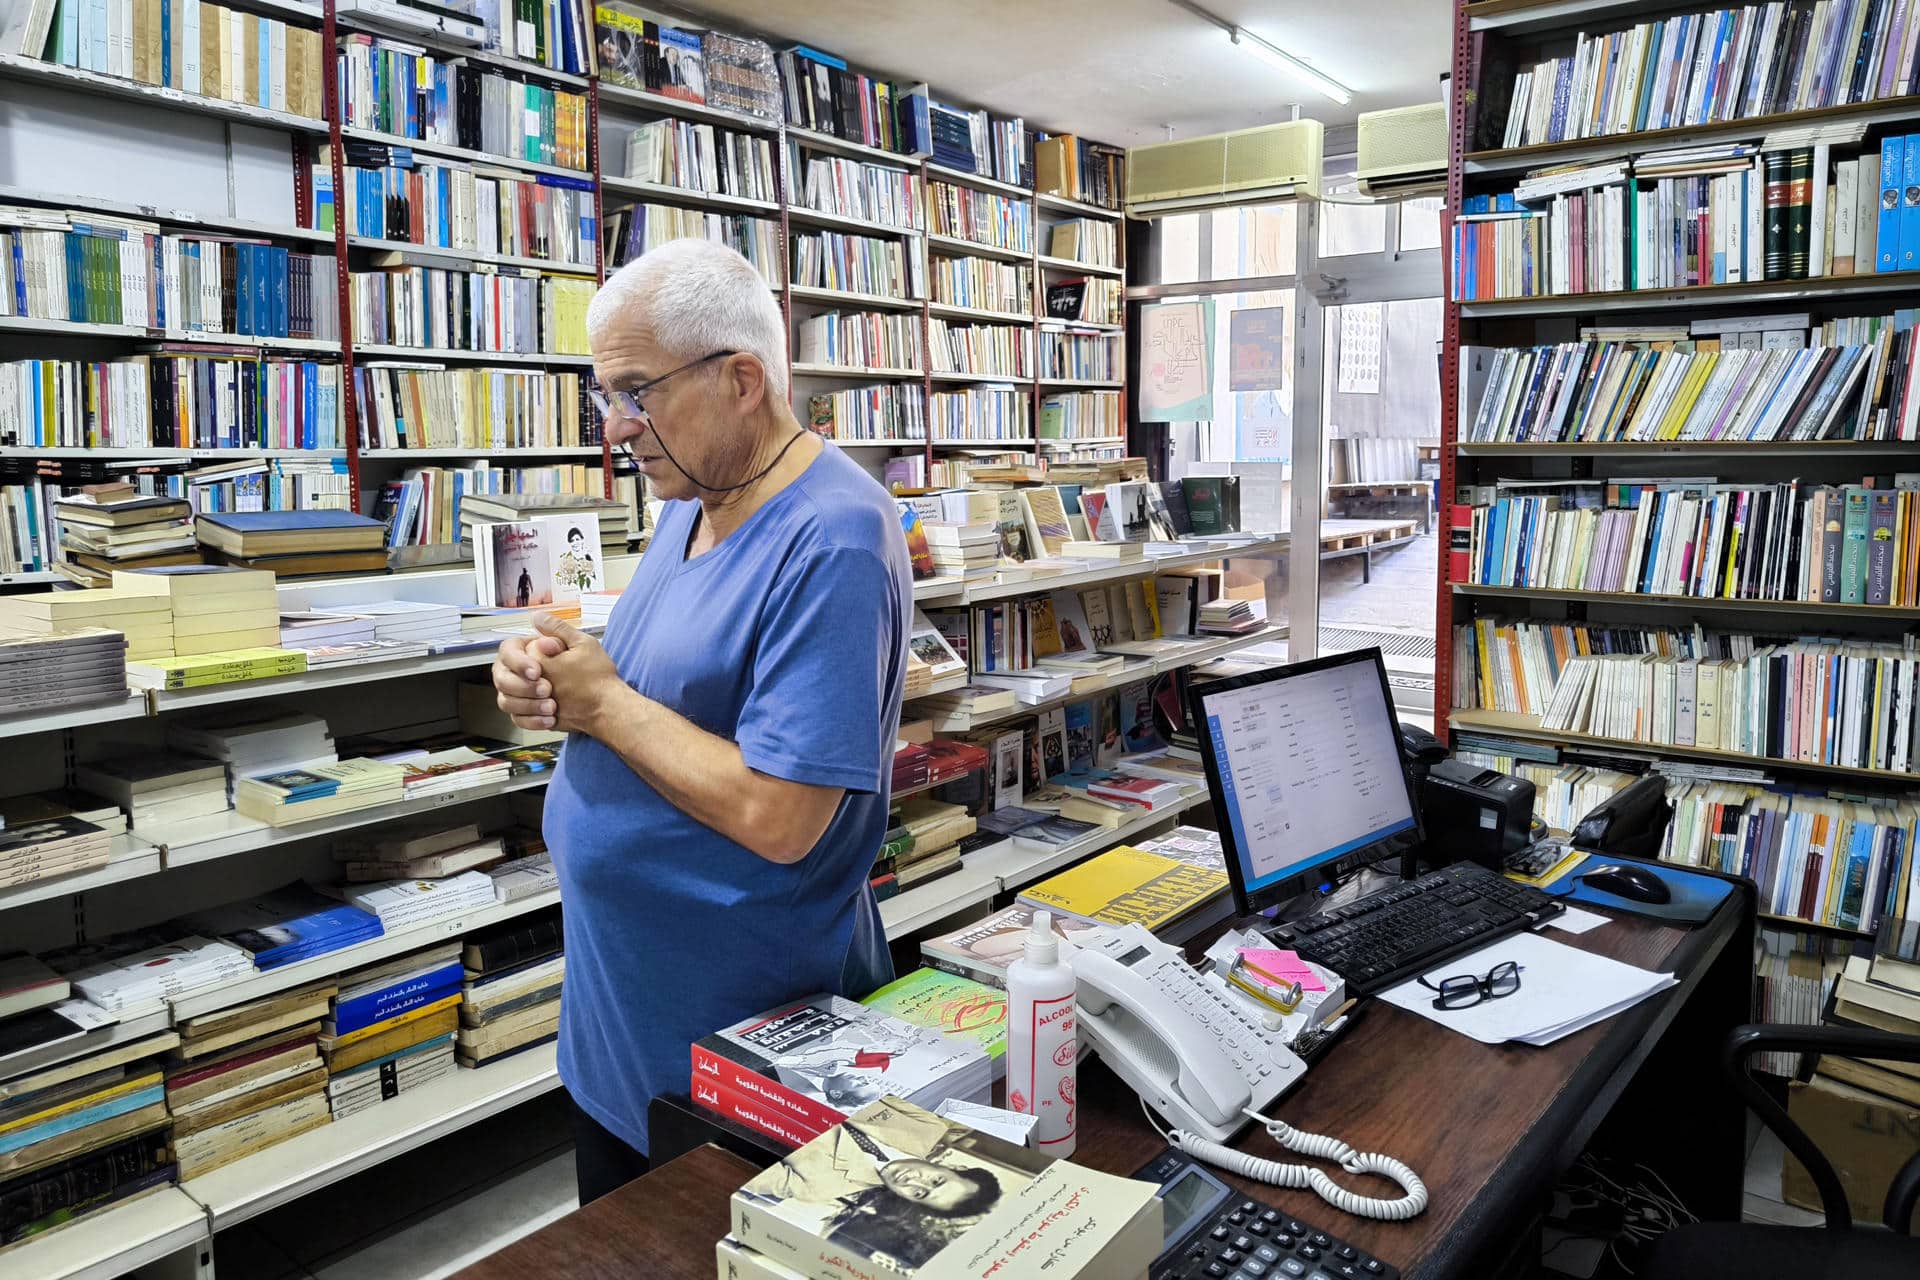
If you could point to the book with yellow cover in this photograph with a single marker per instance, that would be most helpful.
(200, 669)
(396, 1037)
(333, 1044)
(1126, 885)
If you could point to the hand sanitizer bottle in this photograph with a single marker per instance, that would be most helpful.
(1043, 1040)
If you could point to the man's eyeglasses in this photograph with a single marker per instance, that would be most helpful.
(626, 402)
(1463, 990)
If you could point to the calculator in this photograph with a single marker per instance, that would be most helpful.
(1215, 1233)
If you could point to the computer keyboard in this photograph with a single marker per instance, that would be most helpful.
(1387, 937)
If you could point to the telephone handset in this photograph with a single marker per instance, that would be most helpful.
(1176, 1038)
(1192, 1054)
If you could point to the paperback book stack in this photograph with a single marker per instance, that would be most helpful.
(391, 1028)
(408, 622)
(64, 669)
(408, 904)
(1879, 990)
(301, 795)
(425, 849)
(261, 738)
(57, 846)
(922, 845)
(442, 772)
(510, 996)
(246, 1078)
(959, 1008)
(67, 802)
(135, 971)
(983, 950)
(1031, 1215)
(295, 543)
(526, 874)
(339, 637)
(962, 550)
(158, 788)
(123, 530)
(287, 925)
(1171, 898)
(227, 666)
(613, 519)
(216, 608)
(146, 621)
(80, 1135)
(772, 1071)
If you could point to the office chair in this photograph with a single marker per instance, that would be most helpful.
(1756, 1251)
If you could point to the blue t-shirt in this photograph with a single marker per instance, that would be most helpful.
(788, 639)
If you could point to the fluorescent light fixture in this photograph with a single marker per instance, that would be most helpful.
(1279, 59)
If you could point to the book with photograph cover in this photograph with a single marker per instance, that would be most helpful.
(621, 38)
(918, 552)
(1138, 730)
(537, 564)
(1130, 509)
(684, 64)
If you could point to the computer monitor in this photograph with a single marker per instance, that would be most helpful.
(1306, 772)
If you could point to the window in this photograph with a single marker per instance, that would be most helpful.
(1179, 241)
(1348, 229)
(1420, 224)
(1256, 241)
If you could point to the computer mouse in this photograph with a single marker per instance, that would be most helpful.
(1635, 884)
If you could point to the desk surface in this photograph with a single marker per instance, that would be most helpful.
(1485, 1127)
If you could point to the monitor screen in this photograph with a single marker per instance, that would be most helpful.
(1306, 771)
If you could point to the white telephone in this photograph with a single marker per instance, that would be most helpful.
(1193, 1055)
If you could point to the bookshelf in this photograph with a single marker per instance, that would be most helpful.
(1495, 42)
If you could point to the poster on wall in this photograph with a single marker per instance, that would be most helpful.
(1176, 362)
(1360, 332)
(1257, 353)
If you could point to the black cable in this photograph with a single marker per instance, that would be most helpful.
(712, 488)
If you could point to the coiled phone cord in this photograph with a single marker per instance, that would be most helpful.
(1321, 1147)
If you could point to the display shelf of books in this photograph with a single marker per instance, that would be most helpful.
(181, 218)
(1108, 383)
(1017, 864)
(985, 443)
(483, 357)
(114, 1241)
(813, 140)
(1692, 296)
(685, 195)
(231, 832)
(1120, 571)
(519, 451)
(1729, 448)
(625, 96)
(35, 71)
(942, 375)
(1058, 325)
(354, 133)
(1076, 442)
(916, 908)
(131, 707)
(943, 588)
(817, 217)
(880, 444)
(811, 293)
(397, 942)
(814, 370)
(132, 857)
(1192, 654)
(89, 329)
(157, 453)
(1078, 268)
(1060, 204)
(320, 1157)
(975, 249)
(1863, 612)
(455, 257)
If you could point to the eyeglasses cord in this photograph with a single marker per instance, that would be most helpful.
(712, 488)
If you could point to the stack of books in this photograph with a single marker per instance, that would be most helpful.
(423, 849)
(613, 520)
(1229, 616)
(82, 1135)
(1124, 885)
(254, 739)
(301, 795)
(287, 925)
(962, 550)
(407, 621)
(215, 607)
(146, 621)
(106, 532)
(1880, 989)
(48, 847)
(528, 873)
(137, 970)
(970, 699)
(770, 1071)
(391, 1028)
(228, 666)
(961, 1008)
(983, 950)
(64, 669)
(294, 543)
(1097, 1224)
(407, 904)
(246, 1078)
(326, 632)
(922, 845)
(596, 607)
(154, 788)
(436, 773)
(510, 998)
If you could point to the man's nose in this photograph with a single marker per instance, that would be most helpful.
(625, 430)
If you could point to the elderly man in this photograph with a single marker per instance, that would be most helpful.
(723, 790)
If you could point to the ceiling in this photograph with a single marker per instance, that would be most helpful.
(1121, 71)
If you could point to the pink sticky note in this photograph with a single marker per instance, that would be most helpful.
(1286, 965)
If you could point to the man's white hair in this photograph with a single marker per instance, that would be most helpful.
(693, 298)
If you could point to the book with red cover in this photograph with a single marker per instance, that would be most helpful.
(755, 1113)
(948, 758)
(1459, 543)
(1145, 792)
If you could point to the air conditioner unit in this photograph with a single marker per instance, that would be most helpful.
(1403, 151)
(1272, 162)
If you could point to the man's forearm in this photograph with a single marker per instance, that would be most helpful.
(704, 776)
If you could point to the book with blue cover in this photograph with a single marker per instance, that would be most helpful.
(403, 992)
(294, 922)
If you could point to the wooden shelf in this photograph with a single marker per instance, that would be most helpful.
(1799, 292)
(1805, 448)
(956, 246)
(685, 195)
(1689, 603)
(1513, 724)
(847, 297)
(949, 311)
(620, 97)
(1518, 159)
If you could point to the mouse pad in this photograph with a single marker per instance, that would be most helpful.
(1694, 897)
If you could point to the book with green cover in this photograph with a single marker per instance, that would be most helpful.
(957, 1007)
(1853, 553)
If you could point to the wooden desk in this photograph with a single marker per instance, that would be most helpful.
(1488, 1128)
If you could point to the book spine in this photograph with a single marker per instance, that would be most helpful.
(1892, 184)
(753, 1113)
(1853, 561)
(1777, 191)
(711, 1066)
(1910, 203)
(1799, 213)
(1882, 527)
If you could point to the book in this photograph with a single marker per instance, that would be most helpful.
(957, 1007)
(279, 533)
(982, 951)
(1125, 886)
(294, 922)
(545, 563)
(816, 1060)
(851, 1203)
